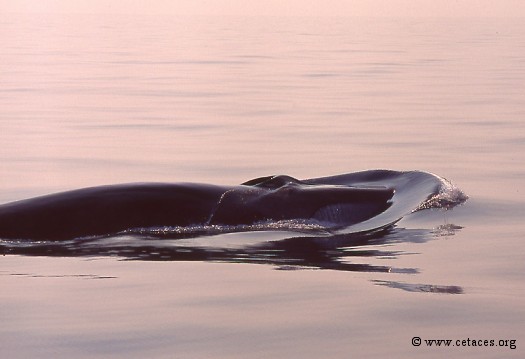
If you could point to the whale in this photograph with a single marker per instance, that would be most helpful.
(337, 202)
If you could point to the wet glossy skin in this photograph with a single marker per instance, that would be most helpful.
(283, 197)
(107, 210)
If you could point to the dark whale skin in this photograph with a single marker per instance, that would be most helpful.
(107, 210)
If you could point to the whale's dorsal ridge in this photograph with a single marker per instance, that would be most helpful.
(257, 181)
(271, 182)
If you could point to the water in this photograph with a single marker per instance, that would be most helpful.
(95, 100)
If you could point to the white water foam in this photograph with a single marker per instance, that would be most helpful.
(448, 197)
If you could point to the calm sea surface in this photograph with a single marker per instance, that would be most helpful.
(88, 100)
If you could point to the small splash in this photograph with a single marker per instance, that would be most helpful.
(446, 230)
(448, 197)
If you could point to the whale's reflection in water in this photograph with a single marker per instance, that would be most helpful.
(344, 252)
(421, 288)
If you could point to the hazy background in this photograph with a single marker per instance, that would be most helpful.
(394, 8)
